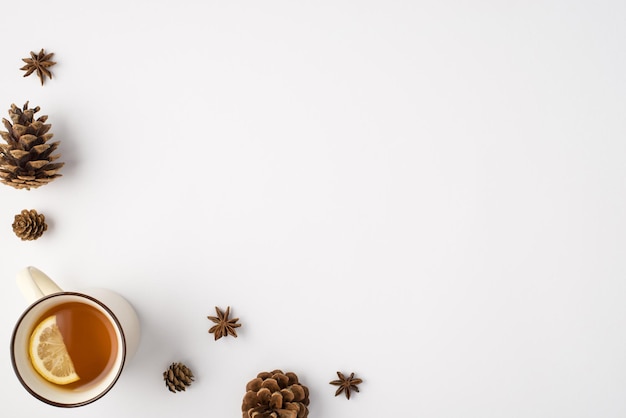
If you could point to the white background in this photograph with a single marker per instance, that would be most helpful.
(430, 194)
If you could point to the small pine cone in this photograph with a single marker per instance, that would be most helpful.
(275, 395)
(177, 377)
(29, 225)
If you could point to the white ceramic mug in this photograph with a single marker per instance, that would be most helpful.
(44, 295)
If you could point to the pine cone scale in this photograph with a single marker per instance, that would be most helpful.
(18, 128)
(38, 150)
(36, 165)
(41, 148)
(28, 140)
(19, 154)
(287, 413)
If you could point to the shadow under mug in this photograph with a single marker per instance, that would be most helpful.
(44, 296)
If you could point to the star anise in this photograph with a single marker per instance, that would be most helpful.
(346, 384)
(39, 63)
(224, 325)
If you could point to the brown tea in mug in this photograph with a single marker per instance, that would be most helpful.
(89, 337)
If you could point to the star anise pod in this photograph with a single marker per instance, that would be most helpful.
(346, 384)
(39, 63)
(224, 325)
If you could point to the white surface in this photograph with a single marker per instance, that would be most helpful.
(428, 193)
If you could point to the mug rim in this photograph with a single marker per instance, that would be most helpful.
(34, 393)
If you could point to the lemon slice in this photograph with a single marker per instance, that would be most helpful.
(49, 355)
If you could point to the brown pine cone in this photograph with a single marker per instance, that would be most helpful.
(275, 395)
(177, 377)
(28, 158)
(29, 225)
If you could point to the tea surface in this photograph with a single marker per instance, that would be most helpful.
(89, 337)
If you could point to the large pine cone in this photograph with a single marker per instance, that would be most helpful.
(275, 395)
(177, 377)
(26, 159)
(29, 225)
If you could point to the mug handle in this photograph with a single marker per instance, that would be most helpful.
(35, 284)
